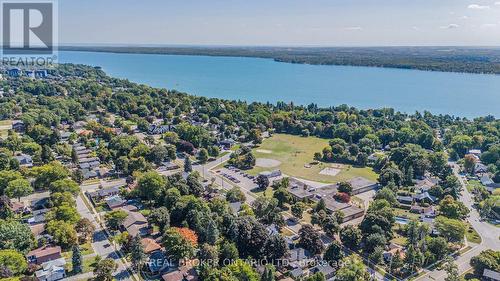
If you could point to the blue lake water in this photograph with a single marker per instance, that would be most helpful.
(254, 79)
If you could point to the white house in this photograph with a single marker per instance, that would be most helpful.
(52, 270)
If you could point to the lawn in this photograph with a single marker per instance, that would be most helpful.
(5, 122)
(85, 249)
(87, 265)
(294, 152)
(406, 214)
(472, 184)
(472, 235)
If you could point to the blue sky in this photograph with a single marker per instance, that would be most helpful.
(281, 22)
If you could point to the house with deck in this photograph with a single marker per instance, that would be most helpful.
(44, 254)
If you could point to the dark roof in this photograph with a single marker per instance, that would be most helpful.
(360, 182)
(115, 201)
(105, 191)
(404, 198)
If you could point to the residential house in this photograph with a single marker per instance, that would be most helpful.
(38, 216)
(170, 166)
(389, 254)
(489, 183)
(79, 125)
(426, 184)
(372, 158)
(405, 200)
(115, 201)
(475, 152)
(272, 230)
(158, 263)
(425, 210)
(424, 197)
(136, 224)
(18, 126)
(299, 258)
(158, 129)
(52, 270)
(130, 208)
(90, 174)
(150, 245)
(491, 275)
(44, 254)
(13, 206)
(296, 273)
(227, 143)
(326, 269)
(25, 160)
(431, 222)
(37, 230)
(480, 168)
(41, 203)
(100, 194)
(183, 273)
(65, 136)
(326, 240)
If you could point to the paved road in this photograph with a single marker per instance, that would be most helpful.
(101, 244)
(489, 234)
(103, 183)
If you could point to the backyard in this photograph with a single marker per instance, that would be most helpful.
(293, 155)
(5, 126)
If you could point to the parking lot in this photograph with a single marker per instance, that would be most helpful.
(240, 178)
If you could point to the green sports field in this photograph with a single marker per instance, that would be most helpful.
(295, 154)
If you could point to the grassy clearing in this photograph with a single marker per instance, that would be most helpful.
(400, 240)
(223, 154)
(91, 181)
(405, 214)
(87, 249)
(5, 122)
(268, 192)
(87, 265)
(294, 152)
(472, 184)
(472, 235)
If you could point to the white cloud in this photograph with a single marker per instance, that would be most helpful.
(488, 25)
(415, 28)
(464, 17)
(353, 28)
(450, 26)
(497, 3)
(478, 7)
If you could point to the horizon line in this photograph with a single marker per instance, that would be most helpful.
(265, 46)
